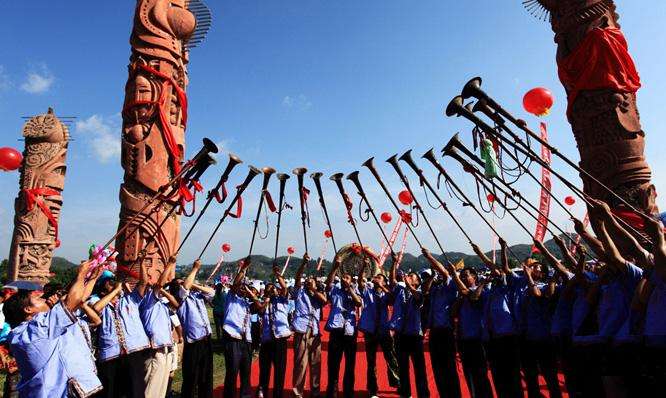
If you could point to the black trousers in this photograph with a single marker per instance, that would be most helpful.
(475, 368)
(121, 376)
(411, 347)
(563, 348)
(385, 341)
(443, 359)
(539, 357)
(340, 345)
(273, 353)
(198, 369)
(586, 365)
(238, 361)
(504, 358)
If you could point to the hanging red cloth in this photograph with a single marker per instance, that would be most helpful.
(544, 202)
(601, 61)
(32, 199)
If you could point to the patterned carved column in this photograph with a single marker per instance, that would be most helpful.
(601, 83)
(37, 207)
(153, 133)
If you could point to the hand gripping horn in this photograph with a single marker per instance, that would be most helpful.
(168, 190)
(283, 182)
(268, 172)
(393, 161)
(337, 178)
(473, 89)
(354, 178)
(371, 166)
(213, 193)
(316, 177)
(300, 173)
(239, 191)
(407, 158)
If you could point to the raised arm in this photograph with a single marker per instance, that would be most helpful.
(142, 284)
(613, 255)
(569, 260)
(655, 229)
(299, 272)
(393, 273)
(331, 275)
(488, 262)
(462, 289)
(435, 264)
(552, 260)
(283, 291)
(77, 292)
(476, 294)
(533, 289)
(173, 303)
(594, 243)
(506, 268)
(626, 239)
(207, 290)
(104, 301)
(164, 276)
(187, 285)
(93, 317)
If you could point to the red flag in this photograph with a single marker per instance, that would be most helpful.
(544, 203)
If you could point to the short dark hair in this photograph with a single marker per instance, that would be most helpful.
(471, 270)
(14, 308)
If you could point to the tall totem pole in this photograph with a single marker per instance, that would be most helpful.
(37, 207)
(601, 82)
(153, 132)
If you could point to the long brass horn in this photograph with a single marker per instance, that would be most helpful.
(268, 173)
(316, 177)
(282, 177)
(407, 158)
(373, 170)
(393, 161)
(337, 178)
(213, 193)
(239, 191)
(300, 173)
(455, 142)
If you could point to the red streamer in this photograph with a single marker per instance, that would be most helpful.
(544, 203)
(270, 202)
(32, 199)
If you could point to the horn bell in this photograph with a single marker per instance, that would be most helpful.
(430, 155)
(353, 176)
(210, 145)
(254, 171)
(235, 160)
(336, 177)
(455, 106)
(407, 158)
(267, 170)
(473, 89)
(299, 171)
(317, 175)
(370, 163)
(453, 143)
(283, 176)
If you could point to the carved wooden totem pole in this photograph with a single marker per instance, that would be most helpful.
(601, 82)
(37, 207)
(153, 132)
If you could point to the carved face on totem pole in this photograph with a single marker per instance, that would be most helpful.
(38, 205)
(153, 134)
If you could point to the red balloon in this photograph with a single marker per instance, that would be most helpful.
(291, 250)
(226, 248)
(405, 197)
(386, 217)
(10, 159)
(328, 233)
(538, 101)
(490, 198)
(569, 200)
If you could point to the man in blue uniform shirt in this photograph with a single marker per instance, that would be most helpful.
(49, 346)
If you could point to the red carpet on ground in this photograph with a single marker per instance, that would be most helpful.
(361, 368)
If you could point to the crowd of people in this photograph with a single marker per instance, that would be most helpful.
(595, 317)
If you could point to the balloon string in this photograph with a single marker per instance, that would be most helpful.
(264, 236)
(286, 263)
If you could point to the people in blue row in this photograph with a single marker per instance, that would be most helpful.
(599, 323)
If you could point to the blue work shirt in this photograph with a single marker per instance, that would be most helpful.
(561, 321)
(615, 301)
(406, 318)
(238, 318)
(443, 294)
(307, 312)
(470, 320)
(52, 356)
(538, 315)
(193, 314)
(655, 315)
(121, 331)
(155, 316)
(375, 314)
(343, 311)
(275, 319)
(498, 312)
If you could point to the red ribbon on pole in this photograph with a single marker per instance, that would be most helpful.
(216, 194)
(269, 202)
(544, 203)
(32, 199)
(239, 206)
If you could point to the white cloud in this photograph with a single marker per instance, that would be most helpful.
(38, 81)
(224, 145)
(5, 81)
(300, 102)
(103, 134)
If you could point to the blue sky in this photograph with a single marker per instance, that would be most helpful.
(321, 84)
